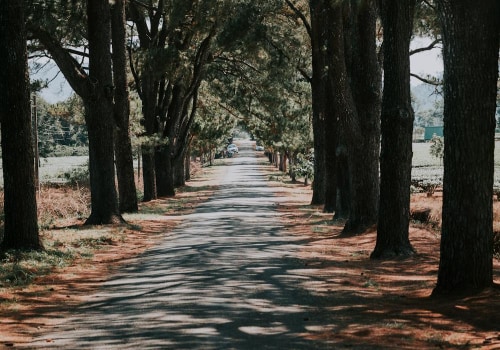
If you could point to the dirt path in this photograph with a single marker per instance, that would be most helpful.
(256, 267)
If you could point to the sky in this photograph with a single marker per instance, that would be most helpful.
(59, 89)
(427, 62)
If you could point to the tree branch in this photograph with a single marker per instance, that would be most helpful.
(429, 47)
(302, 17)
(73, 71)
(427, 81)
(429, 4)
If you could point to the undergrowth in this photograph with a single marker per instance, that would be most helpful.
(19, 268)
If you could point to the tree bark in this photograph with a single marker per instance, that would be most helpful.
(99, 117)
(363, 142)
(397, 129)
(470, 54)
(318, 84)
(20, 207)
(179, 170)
(123, 145)
(187, 164)
(164, 172)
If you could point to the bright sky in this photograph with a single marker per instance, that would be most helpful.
(426, 62)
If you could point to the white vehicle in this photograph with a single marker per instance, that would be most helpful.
(259, 148)
(232, 148)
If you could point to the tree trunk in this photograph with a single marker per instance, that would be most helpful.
(123, 145)
(99, 117)
(149, 92)
(318, 85)
(397, 131)
(470, 55)
(364, 147)
(164, 172)
(342, 107)
(187, 164)
(330, 155)
(148, 174)
(343, 184)
(179, 168)
(20, 208)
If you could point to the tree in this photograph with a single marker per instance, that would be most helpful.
(94, 84)
(99, 117)
(20, 208)
(355, 82)
(470, 54)
(324, 185)
(168, 63)
(397, 129)
(123, 144)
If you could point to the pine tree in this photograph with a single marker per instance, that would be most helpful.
(20, 208)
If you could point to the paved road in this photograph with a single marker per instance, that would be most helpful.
(227, 278)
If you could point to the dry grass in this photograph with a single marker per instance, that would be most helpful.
(57, 203)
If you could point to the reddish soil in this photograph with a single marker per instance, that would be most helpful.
(389, 303)
(386, 303)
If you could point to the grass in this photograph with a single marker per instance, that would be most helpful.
(59, 207)
(19, 268)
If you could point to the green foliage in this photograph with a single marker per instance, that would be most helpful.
(303, 166)
(426, 22)
(437, 146)
(60, 129)
(77, 176)
(262, 81)
(55, 17)
(213, 125)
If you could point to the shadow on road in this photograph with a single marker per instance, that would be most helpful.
(223, 279)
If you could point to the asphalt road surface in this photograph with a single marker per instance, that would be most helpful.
(226, 278)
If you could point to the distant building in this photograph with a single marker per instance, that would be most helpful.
(430, 131)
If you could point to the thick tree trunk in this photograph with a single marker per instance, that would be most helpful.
(364, 149)
(397, 129)
(164, 172)
(343, 186)
(99, 115)
(149, 93)
(179, 168)
(318, 85)
(123, 145)
(470, 55)
(330, 164)
(20, 208)
(148, 174)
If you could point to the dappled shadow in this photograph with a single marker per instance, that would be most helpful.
(386, 304)
(220, 280)
(231, 276)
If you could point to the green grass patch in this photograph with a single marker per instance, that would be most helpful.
(19, 268)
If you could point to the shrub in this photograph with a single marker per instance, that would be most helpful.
(437, 146)
(304, 167)
(77, 176)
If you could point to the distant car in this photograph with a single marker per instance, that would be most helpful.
(232, 148)
(259, 148)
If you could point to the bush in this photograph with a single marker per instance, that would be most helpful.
(77, 176)
(304, 167)
(437, 146)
